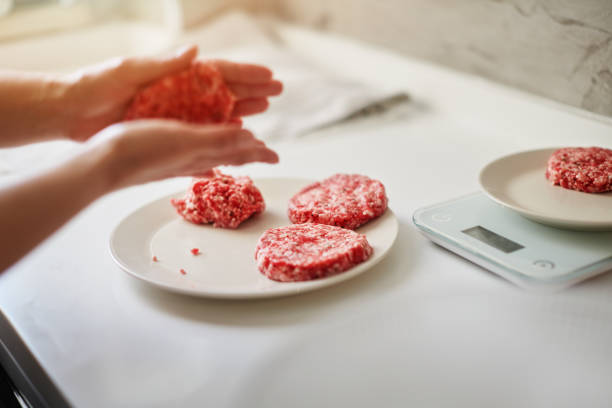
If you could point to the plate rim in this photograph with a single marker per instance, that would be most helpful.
(305, 286)
(532, 215)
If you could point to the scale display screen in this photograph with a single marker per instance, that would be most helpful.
(492, 239)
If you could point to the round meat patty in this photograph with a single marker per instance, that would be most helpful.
(301, 252)
(587, 169)
(197, 94)
(222, 200)
(344, 200)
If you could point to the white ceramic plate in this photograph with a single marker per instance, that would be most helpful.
(226, 267)
(518, 182)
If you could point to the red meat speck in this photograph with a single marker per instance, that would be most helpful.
(195, 251)
(154, 258)
(183, 272)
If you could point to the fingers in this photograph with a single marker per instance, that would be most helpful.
(244, 156)
(243, 73)
(252, 97)
(237, 158)
(240, 147)
(205, 174)
(224, 144)
(143, 70)
(249, 107)
(242, 91)
(147, 150)
(235, 149)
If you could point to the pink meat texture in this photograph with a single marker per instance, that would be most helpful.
(221, 200)
(302, 252)
(343, 200)
(586, 169)
(197, 94)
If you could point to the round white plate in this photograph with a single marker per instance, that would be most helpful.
(226, 267)
(518, 181)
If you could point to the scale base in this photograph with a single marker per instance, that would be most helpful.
(533, 256)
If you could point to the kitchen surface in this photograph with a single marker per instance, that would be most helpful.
(423, 326)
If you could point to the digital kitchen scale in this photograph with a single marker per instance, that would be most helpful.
(532, 255)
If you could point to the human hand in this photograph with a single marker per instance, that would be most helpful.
(147, 150)
(251, 85)
(98, 96)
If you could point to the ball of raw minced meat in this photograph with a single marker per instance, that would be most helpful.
(197, 94)
(221, 200)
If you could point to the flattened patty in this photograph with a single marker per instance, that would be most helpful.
(344, 200)
(587, 169)
(301, 252)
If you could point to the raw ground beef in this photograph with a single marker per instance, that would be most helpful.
(197, 94)
(587, 169)
(344, 200)
(301, 252)
(222, 200)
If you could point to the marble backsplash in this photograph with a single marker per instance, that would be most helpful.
(559, 49)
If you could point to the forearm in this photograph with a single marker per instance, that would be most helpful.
(32, 108)
(33, 209)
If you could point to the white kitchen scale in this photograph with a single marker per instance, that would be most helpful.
(532, 255)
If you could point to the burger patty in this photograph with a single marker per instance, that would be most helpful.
(587, 169)
(344, 200)
(302, 252)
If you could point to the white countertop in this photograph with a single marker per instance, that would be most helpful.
(423, 328)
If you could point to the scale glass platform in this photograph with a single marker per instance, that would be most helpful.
(532, 255)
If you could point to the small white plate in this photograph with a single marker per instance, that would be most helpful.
(226, 267)
(518, 181)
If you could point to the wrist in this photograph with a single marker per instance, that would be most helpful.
(53, 103)
(32, 108)
(94, 167)
(112, 165)
(67, 91)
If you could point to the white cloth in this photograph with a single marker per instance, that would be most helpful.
(311, 98)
